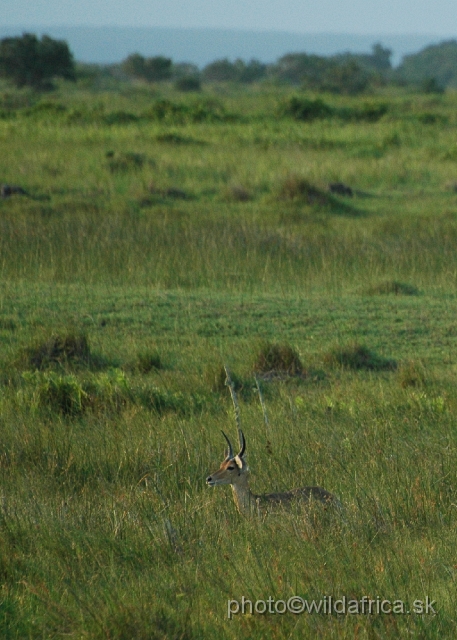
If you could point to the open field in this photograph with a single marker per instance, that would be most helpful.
(159, 240)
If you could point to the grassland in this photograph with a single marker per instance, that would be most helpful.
(153, 247)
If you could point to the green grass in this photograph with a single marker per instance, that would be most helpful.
(148, 254)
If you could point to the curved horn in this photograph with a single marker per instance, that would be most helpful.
(230, 448)
(242, 443)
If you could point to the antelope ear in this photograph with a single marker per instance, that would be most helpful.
(239, 462)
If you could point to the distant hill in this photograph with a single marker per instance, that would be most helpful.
(202, 46)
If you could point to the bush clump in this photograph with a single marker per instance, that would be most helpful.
(188, 83)
(123, 162)
(368, 112)
(148, 361)
(63, 394)
(278, 359)
(172, 137)
(59, 350)
(392, 287)
(294, 187)
(71, 395)
(356, 356)
(305, 109)
(183, 113)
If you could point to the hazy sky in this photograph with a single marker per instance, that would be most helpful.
(434, 17)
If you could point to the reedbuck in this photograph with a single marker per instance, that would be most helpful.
(234, 470)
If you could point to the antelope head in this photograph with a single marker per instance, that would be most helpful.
(233, 467)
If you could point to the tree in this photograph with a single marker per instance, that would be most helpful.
(220, 71)
(347, 78)
(238, 71)
(435, 61)
(250, 72)
(301, 68)
(380, 58)
(150, 69)
(28, 61)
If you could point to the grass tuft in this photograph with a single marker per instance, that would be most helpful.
(236, 193)
(148, 361)
(412, 374)
(357, 356)
(295, 187)
(392, 287)
(59, 350)
(215, 379)
(123, 162)
(278, 359)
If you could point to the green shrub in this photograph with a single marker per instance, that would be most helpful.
(111, 391)
(368, 112)
(305, 109)
(119, 117)
(148, 361)
(45, 107)
(187, 84)
(68, 394)
(62, 394)
(175, 138)
(181, 113)
(357, 356)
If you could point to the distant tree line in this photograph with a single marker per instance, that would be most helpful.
(432, 69)
(348, 73)
(28, 61)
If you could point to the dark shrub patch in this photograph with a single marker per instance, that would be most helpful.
(148, 361)
(357, 356)
(236, 193)
(392, 287)
(181, 113)
(305, 109)
(167, 192)
(188, 83)
(125, 161)
(294, 187)
(70, 349)
(281, 359)
(119, 117)
(175, 138)
(369, 112)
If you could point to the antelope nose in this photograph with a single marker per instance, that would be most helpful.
(208, 479)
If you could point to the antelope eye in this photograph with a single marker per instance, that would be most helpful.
(230, 468)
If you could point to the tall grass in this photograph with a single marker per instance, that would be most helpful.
(174, 248)
(137, 242)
